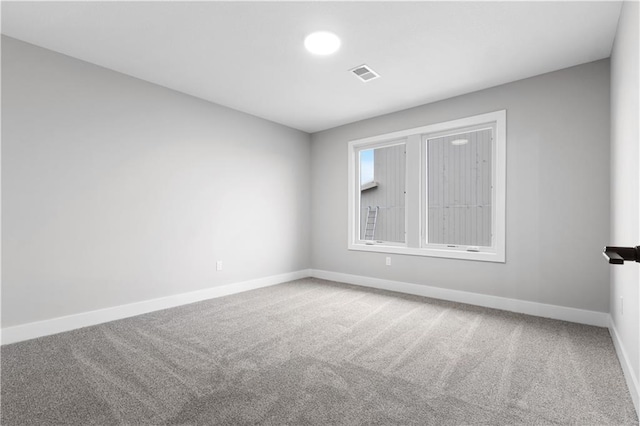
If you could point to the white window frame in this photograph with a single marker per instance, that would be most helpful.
(416, 197)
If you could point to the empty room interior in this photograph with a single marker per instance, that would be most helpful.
(321, 212)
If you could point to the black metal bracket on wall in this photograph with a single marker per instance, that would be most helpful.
(617, 255)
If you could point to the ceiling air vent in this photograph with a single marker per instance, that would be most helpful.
(364, 73)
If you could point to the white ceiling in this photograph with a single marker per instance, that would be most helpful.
(250, 56)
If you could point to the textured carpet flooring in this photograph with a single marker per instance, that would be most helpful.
(316, 352)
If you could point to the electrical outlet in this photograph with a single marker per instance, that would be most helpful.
(387, 261)
(621, 305)
(219, 265)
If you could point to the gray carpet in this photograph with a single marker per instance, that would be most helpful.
(316, 352)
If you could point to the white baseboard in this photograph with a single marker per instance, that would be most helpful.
(582, 316)
(632, 381)
(71, 322)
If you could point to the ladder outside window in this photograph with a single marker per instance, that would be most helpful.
(370, 228)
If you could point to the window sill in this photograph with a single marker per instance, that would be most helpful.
(482, 256)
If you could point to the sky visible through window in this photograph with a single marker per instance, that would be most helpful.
(366, 166)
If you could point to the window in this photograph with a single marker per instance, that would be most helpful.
(382, 193)
(437, 190)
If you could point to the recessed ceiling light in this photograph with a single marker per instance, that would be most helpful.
(322, 43)
(460, 142)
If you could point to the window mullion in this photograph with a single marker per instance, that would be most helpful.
(413, 191)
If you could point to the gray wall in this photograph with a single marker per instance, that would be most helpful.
(625, 185)
(115, 190)
(557, 193)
